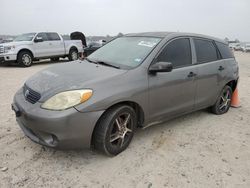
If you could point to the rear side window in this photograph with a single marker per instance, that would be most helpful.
(224, 50)
(53, 36)
(205, 51)
(177, 52)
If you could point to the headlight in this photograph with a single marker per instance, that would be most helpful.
(67, 99)
(8, 48)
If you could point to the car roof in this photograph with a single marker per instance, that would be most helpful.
(174, 34)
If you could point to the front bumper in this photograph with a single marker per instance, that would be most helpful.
(7, 57)
(67, 129)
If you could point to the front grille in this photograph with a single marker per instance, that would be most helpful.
(31, 95)
(1, 49)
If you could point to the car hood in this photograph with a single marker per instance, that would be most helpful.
(16, 43)
(70, 76)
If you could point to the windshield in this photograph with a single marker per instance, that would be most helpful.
(25, 37)
(125, 52)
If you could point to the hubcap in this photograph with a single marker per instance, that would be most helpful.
(225, 100)
(121, 130)
(26, 59)
(74, 56)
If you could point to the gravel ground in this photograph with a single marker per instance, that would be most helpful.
(196, 150)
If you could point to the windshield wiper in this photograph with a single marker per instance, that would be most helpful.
(102, 63)
(107, 64)
(90, 60)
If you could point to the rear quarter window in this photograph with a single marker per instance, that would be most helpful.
(205, 50)
(224, 50)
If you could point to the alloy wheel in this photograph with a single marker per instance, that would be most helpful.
(121, 130)
(26, 59)
(225, 100)
(74, 56)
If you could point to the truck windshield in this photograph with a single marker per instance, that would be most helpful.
(25, 37)
(125, 52)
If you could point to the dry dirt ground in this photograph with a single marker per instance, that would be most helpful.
(196, 150)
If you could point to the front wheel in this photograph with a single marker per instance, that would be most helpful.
(25, 59)
(73, 55)
(223, 102)
(115, 129)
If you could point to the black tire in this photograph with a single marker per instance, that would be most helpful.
(54, 59)
(25, 59)
(73, 54)
(107, 137)
(223, 102)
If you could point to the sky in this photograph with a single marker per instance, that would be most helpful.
(219, 18)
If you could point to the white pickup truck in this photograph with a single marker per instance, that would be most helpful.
(34, 46)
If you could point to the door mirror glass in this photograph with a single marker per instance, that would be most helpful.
(38, 39)
(161, 67)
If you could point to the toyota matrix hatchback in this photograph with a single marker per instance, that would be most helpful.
(137, 80)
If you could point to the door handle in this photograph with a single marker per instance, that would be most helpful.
(191, 74)
(221, 68)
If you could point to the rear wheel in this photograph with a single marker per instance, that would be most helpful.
(223, 102)
(73, 54)
(115, 130)
(25, 59)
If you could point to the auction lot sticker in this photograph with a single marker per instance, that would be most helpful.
(147, 44)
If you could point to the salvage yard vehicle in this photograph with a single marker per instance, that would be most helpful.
(247, 48)
(92, 46)
(237, 47)
(34, 46)
(137, 80)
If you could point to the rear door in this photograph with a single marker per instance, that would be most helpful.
(41, 49)
(211, 72)
(56, 44)
(173, 93)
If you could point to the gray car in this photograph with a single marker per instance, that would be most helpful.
(137, 80)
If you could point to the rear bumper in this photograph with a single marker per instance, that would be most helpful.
(68, 129)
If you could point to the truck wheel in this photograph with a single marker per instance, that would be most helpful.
(55, 59)
(223, 102)
(25, 59)
(73, 55)
(114, 130)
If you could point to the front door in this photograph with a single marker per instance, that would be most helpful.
(42, 49)
(173, 93)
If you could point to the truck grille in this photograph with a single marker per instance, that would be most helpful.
(1, 49)
(31, 95)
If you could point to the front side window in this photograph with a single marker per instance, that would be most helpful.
(53, 36)
(224, 50)
(125, 52)
(205, 51)
(43, 36)
(177, 52)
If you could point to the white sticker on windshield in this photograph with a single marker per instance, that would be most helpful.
(147, 44)
(138, 60)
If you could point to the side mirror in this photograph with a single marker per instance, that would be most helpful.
(161, 67)
(38, 39)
